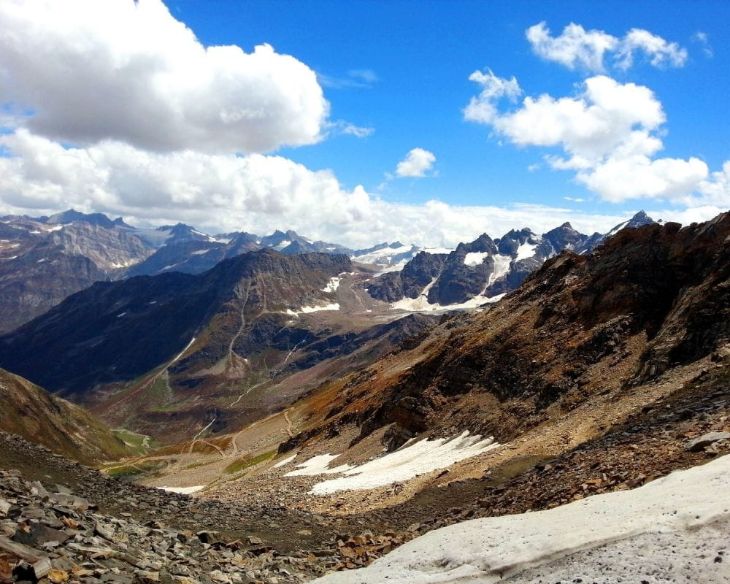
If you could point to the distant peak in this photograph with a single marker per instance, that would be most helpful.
(642, 216)
(74, 216)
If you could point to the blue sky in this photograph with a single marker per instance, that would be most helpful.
(423, 53)
(175, 111)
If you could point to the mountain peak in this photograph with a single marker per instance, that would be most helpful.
(74, 216)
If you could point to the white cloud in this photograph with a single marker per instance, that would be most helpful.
(354, 79)
(703, 39)
(417, 163)
(578, 48)
(659, 52)
(609, 136)
(575, 47)
(482, 108)
(257, 193)
(350, 129)
(129, 71)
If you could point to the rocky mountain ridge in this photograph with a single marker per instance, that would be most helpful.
(484, 269)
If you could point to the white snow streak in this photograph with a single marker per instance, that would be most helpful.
(308, 309)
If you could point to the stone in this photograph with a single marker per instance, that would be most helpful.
(700, 443)
(58, 576)
(105, 531)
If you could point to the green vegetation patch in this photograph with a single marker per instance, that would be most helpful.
(134, 470)
(248, 461)
(137, 443)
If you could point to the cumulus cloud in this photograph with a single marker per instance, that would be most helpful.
(578, 48)
(609, 136)
(84, 71)
(417, 163)
(257, 193)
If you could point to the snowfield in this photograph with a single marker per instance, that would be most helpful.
(412, 459)
(670, 530)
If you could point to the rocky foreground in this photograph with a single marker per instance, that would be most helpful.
(52, 535)
(100, 529)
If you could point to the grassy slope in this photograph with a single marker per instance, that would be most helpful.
(67, 429)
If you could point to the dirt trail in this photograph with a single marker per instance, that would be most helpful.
(239, 332)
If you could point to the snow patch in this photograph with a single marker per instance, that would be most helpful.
(420, 304)
(475, 258)
(332, 285)
(317, 465)
(525, 251)
(663, 527)
(285, 461)
(411, 460)
(397, 267)
(124, 264)
(183, 490)
(201, 251)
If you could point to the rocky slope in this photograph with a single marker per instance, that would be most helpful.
(63, 427)
(484, 268)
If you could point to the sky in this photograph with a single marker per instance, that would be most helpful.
(365, 121)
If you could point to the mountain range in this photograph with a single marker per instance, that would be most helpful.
(43, 260)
